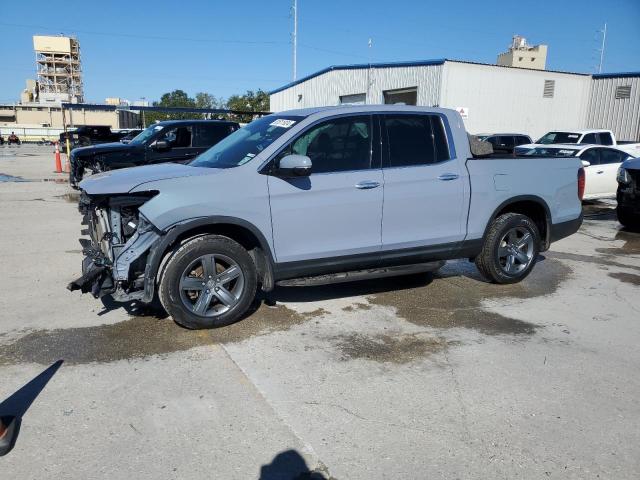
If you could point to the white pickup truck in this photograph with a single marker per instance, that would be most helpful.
(592, 137)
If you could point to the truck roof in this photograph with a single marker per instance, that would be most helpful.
(305, 112)
(583, 131)
(178, 122)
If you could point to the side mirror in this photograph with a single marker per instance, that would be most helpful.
(294, 166)
(161, 145)
(586, 163)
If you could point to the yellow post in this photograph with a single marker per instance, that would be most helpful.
(68, 148)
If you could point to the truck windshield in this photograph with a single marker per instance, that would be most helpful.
(146, 134)
(242, 145)
(559, 137)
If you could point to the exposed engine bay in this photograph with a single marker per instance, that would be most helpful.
(117, 247)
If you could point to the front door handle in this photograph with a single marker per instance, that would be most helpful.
(366, 184)
(448, 176)
(600, 171)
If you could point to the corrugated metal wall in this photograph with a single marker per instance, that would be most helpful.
(326, 89)
(620, 115)
(501, 99)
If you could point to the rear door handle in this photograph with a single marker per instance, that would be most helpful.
(600, 171)
(366, 184)
(448, 176)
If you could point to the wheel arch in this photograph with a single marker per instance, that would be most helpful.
(242, 231)
(533, 207)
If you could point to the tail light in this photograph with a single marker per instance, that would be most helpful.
(581, 183)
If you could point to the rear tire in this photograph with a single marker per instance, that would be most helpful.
(210, 281)
(510, 249)
(628, 219)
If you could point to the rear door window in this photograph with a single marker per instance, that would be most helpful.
(608, 156)
(506, 141)
(207, 135)
(590, 138)
(522, 140)
(415, 140)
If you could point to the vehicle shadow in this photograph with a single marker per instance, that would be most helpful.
(597, 210)
(317, 293)
(13, 408)
(133, 308)
(289, 465)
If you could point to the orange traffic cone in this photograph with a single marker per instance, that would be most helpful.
(58, 162)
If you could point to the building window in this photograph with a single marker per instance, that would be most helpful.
(533, 59)
(520, 59)
(355, 99)
(403, 96)
(549, 88)
(623, 92)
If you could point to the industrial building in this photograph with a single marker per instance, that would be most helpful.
(490, 98)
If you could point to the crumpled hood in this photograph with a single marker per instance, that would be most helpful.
(102, 148)
(126, 179)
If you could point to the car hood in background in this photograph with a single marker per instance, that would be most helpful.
(101, 148)
(631, 164)
(126, 179)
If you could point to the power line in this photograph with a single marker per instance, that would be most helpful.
(148, 37)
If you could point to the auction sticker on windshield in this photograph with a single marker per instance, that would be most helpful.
(283, 123)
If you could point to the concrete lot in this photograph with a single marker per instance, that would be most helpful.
(429, 377)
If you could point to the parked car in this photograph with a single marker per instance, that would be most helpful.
(89, 135)
(13, 138)
(592, 137)
(317, 196)
(601, 164)
(628, 194)
(170, 141)
(505, 142)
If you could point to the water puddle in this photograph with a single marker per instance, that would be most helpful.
(10, 178)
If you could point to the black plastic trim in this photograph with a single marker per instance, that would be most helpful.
(523, 198)
(564, 229)
(408, 256)
(157, 251)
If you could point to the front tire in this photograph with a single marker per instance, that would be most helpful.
(510, 249)
(210, 281)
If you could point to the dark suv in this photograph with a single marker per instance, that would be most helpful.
(89, 135)
(628, 194)
(171, 141)
(505, 142)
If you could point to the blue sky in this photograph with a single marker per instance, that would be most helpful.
(143, 49)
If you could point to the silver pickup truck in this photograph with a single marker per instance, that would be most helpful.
(316, 196)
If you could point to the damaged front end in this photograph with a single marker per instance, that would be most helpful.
(118, 245)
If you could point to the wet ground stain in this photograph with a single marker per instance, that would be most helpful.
(629, 278)
(11, 178)
(631, 244)
(453, 298)
(139, 337)
(390, 348)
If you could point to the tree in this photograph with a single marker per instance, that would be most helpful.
(177, 98)
(251, 101)
(206, 100)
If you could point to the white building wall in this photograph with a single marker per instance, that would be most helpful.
(620, 115)
(326, 89)
(501, 99)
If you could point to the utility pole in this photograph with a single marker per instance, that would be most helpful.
(295, 39)
(604, 39)
(366, 100)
